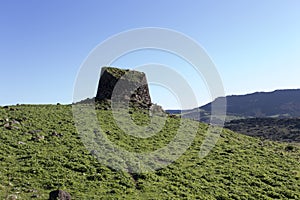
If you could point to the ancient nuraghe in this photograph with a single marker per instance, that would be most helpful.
(124, 86)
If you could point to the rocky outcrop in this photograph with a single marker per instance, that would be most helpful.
(123, 86)
(59, 194)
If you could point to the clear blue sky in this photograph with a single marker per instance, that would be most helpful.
(255, 45)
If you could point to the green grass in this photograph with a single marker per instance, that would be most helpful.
(43, 152)
(130, 75)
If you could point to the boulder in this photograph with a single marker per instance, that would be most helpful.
(60, 195)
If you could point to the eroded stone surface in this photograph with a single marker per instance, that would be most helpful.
(123, 86)
(59, 194)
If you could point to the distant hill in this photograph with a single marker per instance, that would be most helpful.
(279, 103)
(276, 129)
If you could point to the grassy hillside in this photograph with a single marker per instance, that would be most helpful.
(40, 151)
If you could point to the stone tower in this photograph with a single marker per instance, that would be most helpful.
(123, 86)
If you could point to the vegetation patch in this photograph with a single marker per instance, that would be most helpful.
(277, 129)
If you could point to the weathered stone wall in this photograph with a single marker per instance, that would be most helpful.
(123, 85)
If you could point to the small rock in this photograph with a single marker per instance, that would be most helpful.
(7, 126)
(35, 196)
(289, 148)
(40, 137)
(173, 116)
(33, 190)
(59, 194)
(54, 133)
(12, 197)
(15, 121)
(35, 131)
(20, 142)
(15, 127)
(94, 152)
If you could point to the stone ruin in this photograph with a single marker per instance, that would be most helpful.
(123, 86)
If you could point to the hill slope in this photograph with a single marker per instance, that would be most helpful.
(41, 151)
